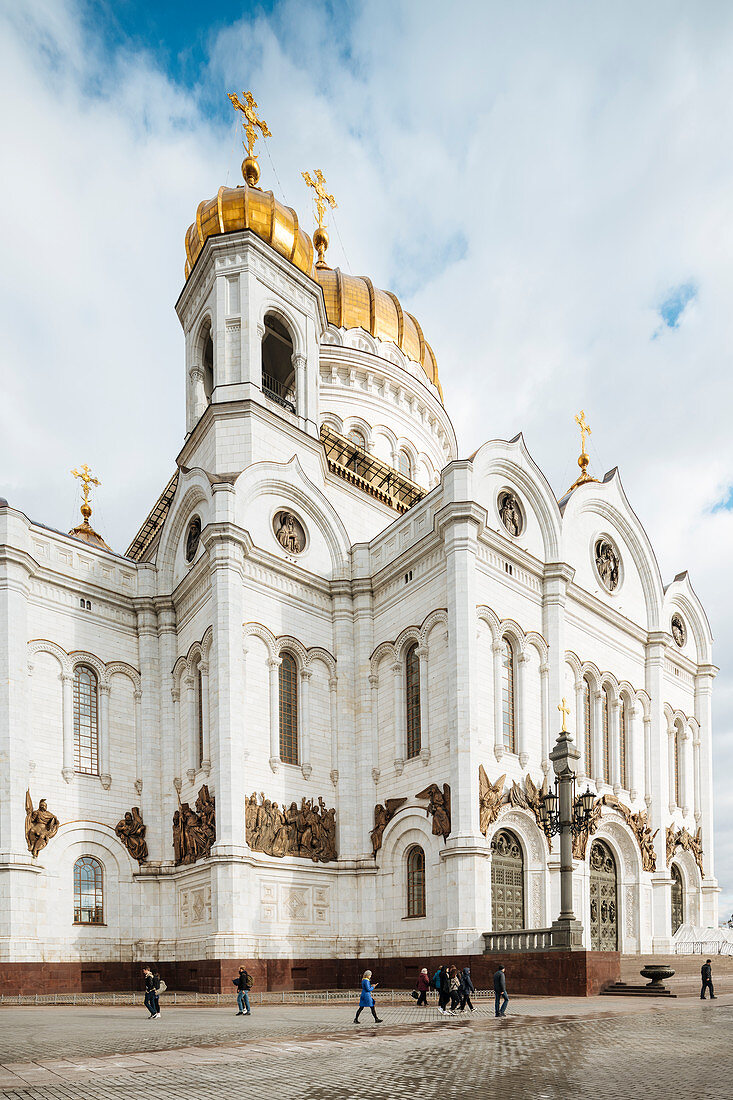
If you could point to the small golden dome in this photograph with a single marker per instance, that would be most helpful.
(352, 301)
(245, 207)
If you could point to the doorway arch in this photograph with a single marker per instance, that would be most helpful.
(507, 883)
(603, 898)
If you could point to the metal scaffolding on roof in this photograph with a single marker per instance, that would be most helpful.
(368, 473)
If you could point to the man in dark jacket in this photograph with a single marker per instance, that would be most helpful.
(707, 981)
(243, 984)
(150, 993)
(499, 992)
(466, 989)
(442, 984)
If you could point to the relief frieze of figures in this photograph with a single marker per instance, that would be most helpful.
(194, 831)
(681, 838)
(308, 830)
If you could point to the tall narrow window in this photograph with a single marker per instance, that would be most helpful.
(507, 697)
(412, 699)
(404, 464)
(416, 882)
(88, 891)
(623, 750)
(606, 717)
(199, 716)
(677, 733)
(86, 732)
(288, 709)
(587, 727)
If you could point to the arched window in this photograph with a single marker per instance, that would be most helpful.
(606, 719)
(88, 891)
(507, 883)
(677, 735)
(416, 882)
(508, 707)
(587, 727)
(358, 438)
(404, 463)
(199, 689)
(288, 709)
(623, 748)
(207, 362)
(86, 730)
(278, 372)
(412, 700)
(678, 898)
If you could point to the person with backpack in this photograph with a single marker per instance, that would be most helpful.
(467, 988)
(422, 986)
(441, 981)
(243, 983)
(150, 1003)
(158, 988)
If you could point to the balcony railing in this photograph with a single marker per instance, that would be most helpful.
(276, 391)
(370, 474)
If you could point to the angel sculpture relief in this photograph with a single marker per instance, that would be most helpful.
(383, 814)
(438, 807)
(490, 798)
(40, 825)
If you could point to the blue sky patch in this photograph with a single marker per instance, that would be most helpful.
(725, 504)
(673, 306)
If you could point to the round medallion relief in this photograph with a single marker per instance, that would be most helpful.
(193, 535)
(289, 532)
(679, 630)
(510, 512)
(608, 564)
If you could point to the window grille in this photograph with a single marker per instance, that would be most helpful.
(412, 698)
(288, 709)
(88, 891)
(416, 882)
(86, 731)
(507, 697)
(200, 715)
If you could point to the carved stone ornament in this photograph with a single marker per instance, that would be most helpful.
(637, 822)
(687, 842)
(438, 808)
(40, 825)
(679, 630)
(194, 831)
(308, 830)
(383, 814)
(193, 536)
(131, 831)
(289, 532)
(607, 564)
(529, 797)
(510, 512)
(490, 797)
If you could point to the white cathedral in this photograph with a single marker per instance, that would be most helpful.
(306, 718)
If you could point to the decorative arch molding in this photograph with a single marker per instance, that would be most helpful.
(69, 661)
(76, 838)
(524, 826)
(535, 490)
(289, 318)
(499, 628)
(681, 596)
(191, 746)
(691, 878)
(613, 830)
(396, 649)
(43, 645)
(121, 668)
(305, 656)
(332, 420)
(196, 492)
(357, 424)
(409, 826)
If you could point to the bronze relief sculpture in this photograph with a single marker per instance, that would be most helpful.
(289, 532)
(607, 564)
(510, 513)
(383, 814)
(131, 831)
(679, 630)
(40, 825)
(490, 797)
(529, 797)
(438, 808)
(308, 830)
(194, 831)
(687, 842)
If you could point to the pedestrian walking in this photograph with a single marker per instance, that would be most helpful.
(455, 989)
(441, 980)
(367, 1000)
(499, 992)
(150, 1001)
(707, 980)
(243, 983)
(422, 986)
(467, 989)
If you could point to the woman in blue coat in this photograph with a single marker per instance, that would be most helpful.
(367, 1000)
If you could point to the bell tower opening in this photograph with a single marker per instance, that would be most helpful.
(207, 362)
(278, 372)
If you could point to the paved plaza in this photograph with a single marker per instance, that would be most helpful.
(546, 1049)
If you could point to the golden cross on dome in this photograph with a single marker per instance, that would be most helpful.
(565, 711)
(87, 479)
(584, 460)
(320, 237)
(584, 429)
(251, 123)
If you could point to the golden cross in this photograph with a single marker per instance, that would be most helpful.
(319, 185)
(565, 711)
(86, 480)
(249, 109)
(584, 429)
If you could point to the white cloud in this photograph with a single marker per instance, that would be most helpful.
(573, 162)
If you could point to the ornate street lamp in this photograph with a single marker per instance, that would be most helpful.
(561, 812)
(549, 810)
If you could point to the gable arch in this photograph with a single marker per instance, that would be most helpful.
(196, 492)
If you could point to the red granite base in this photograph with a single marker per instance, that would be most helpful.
(551, 973)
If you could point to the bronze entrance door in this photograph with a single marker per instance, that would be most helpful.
(507, 883)
(603, 900)
(678, 901)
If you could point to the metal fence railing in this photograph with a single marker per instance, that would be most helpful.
(703, 947)
(285, 996)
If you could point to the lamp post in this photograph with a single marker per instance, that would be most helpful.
(562, 813)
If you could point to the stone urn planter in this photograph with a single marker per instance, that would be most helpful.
(656, 973)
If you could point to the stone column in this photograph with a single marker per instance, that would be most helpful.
(400, 718)
(67, 682)
(273, 664)
(659, 778)
(197, 403)
(103, 735)
(496, 650)
(305, 724)
(205, 719)
(423, 653)
(545, 702)
(672, 751)
(301, 401)
(686, 765)
(523, 695)
(177, 770)
(192, 751)
(334, 712)
(597, 735)
(696, 777)
(150, 796)
(585, 768)
(647, 723)
(557, 577)
(374, 685)
(632, 737)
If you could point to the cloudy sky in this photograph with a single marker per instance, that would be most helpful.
(549, 187)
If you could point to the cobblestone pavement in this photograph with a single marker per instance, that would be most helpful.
(546, 1049)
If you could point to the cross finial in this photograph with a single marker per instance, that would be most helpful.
(565, 711)
(87, 480)
(320, 237)
(584, 460)
(251, 123)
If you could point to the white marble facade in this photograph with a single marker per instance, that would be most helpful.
(446, 575)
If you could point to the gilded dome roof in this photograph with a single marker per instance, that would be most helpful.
(246, 207)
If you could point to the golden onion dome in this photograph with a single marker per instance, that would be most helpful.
(245, 207)
(352, 301)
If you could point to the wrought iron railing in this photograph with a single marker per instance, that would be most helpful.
(276, 391)
(368, 473)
